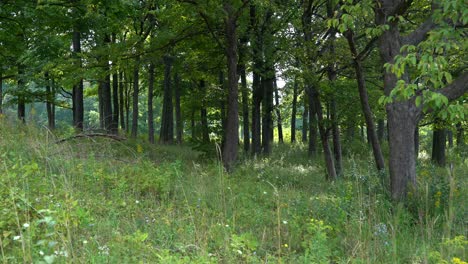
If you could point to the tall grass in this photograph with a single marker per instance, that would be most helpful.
(103, 201)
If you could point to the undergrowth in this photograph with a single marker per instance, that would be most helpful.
(103, 201)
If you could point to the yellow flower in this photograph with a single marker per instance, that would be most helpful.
(139, 148)
(458, 261)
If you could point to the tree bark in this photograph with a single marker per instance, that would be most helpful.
(372, 135)
(150, 103)
(115, 104)
(232, 122)
(416, 142)
(78, 98)
(267, 119)
(136, 91)
(50, 103)
(450, 138)
(329, 161)
(178, 112)
(122, 101)
(380, 130)
(257, 88)
(305, 118)
(278, 114)
(294, 112)
(20, 95)
(439, 139)
(167, 118)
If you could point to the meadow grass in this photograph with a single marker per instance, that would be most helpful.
(103, 201)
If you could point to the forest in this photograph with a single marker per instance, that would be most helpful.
(234, 131)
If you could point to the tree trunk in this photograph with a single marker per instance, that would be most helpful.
(294, 112)
(416, 142)
(122, 101)
(329, 161)
(245, 109)
(267, 120)
(50, 101)
(106, 92)
(136, 91)
(438, 146)
(232, 122)
(192, 125)
(20, 95)
(167, 118)
(78, 98)
(336, 139)
(278, 115)
(372, 135)
(178, 112)
(402, 162)
(222, 106)
(305, 118)
(204, 116)
(128, 93)
(150, 103)
(115, 104)
(257, 88)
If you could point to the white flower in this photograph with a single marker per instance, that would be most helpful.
(16, 237)
(264, 192)
(137, 202)
(25, 225)
(239, 252)
(85, 241)
(41, 253)
(285, 222)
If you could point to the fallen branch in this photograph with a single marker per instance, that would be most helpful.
(114, 137)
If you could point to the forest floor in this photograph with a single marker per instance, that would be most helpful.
(104, 201)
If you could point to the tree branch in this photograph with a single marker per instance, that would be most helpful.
(457, 88)
(419, 34)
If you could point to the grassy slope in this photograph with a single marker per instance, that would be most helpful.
(102, 201)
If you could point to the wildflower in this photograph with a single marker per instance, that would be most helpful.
(285, 245)
(16, 238)
(285, 222)
(239, 252)
(41, 253)
(265, 193)
(85, 242)
(26, 225)
(137, 202)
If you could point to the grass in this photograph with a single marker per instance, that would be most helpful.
(102, 201)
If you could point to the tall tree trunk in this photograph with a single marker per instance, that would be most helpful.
(78, 98)
(257, 88)
(107, 100)
(379, 160)
(336, 139)
(305, 118)
(278, 114)
(267, 119)
(416, 142)
(50, 101)
(115, 104)
(150, 103)
(128, 97)
(136, 91)
(439, 139)
(167, 119)
(122, 101)
(294, 112)
(222, 106)
(21, 99)
(245, 109)
(204, 116)
(178, 112)
(232, 122)
(329, 161)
